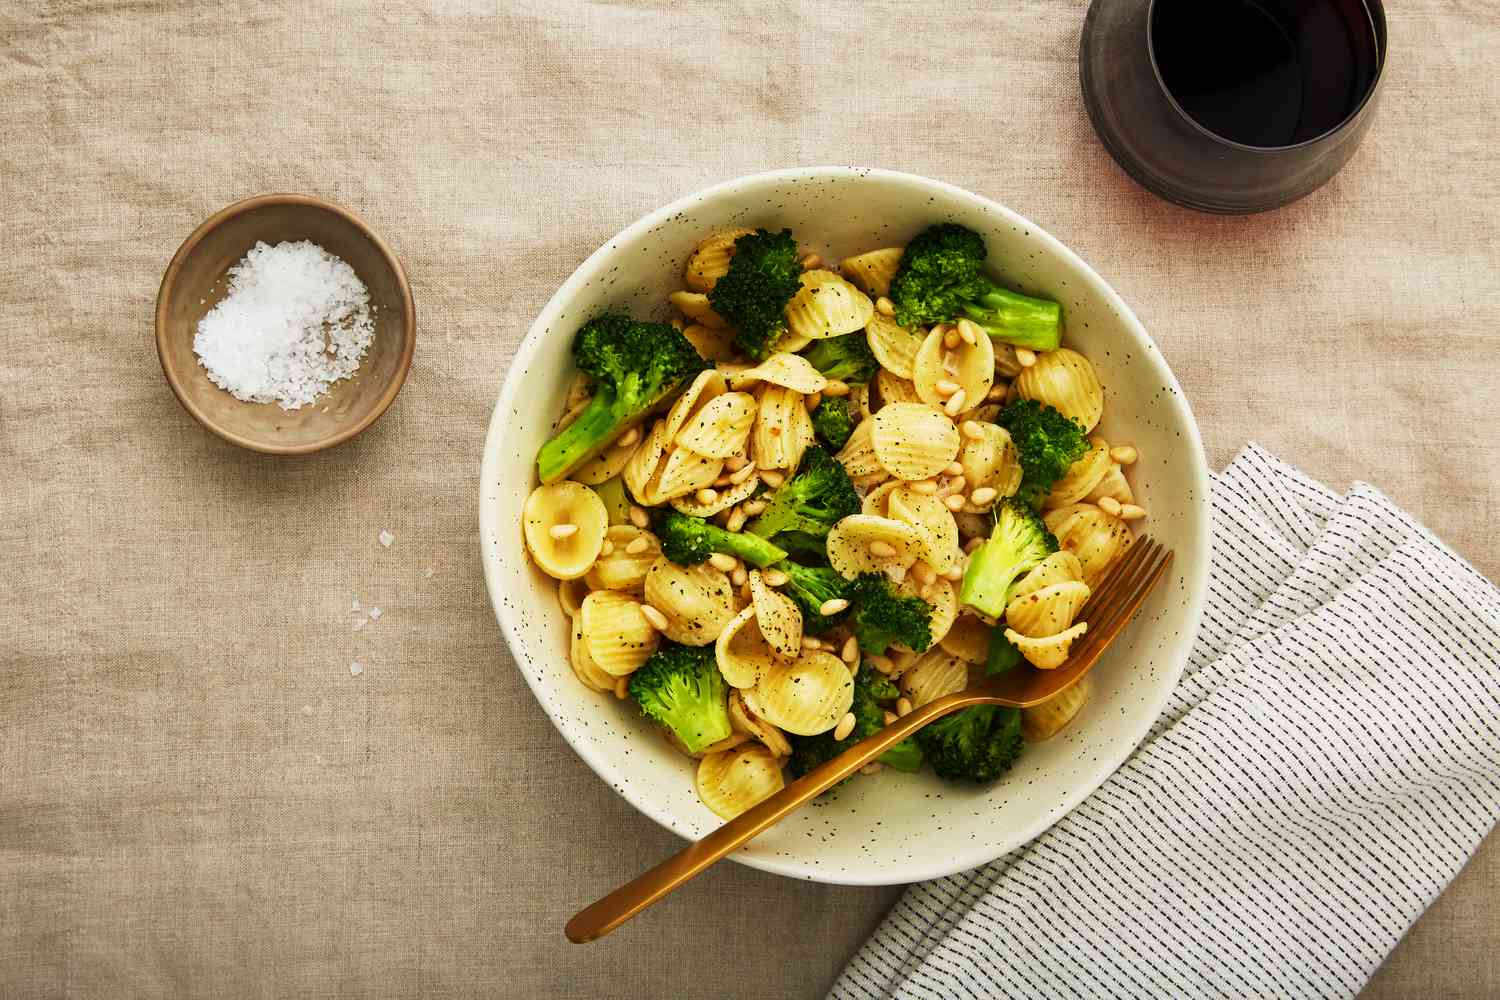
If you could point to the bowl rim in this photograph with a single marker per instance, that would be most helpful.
(512, 627)
(168, 289)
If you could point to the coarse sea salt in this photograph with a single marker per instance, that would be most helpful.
(386, 539)
(295, 320)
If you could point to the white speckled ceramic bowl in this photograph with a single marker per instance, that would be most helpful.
(891, 828)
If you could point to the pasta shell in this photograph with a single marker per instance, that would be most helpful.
(707, 385)
(580, 390)
(779, 618)
(570, 595)
(642, 471)
(943, 600)
(859, 401)
(727, 498)
(849, 544)
(990, 460)
(1048, 652)
(937, 674)
(620, 638)
(806, 696)
(734, 780)
(1046, 611)
(790, 371)
(745, 721)
(622, 569)
(858, 454)
(697, 601)
(970, 366)
(1112, 484)
(937, 531)
(562, 504)
(869, 481)
(891, 388)
(1066, 380)
(710, 261)
(1082, 476)
(968, 639)
(720, 427)
(685, 472)
(695, 306)
(877, 502)
(790, 343)
(710, 343)
(893, 345)
(827, 306)
(873, 271)
(604, 466)
(913, 440)
(1044, 721)
(584, 667)
(782, 431)
(1061, 566)
(742, 653)
(1095, 537)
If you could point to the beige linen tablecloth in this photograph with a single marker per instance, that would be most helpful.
(197, 799)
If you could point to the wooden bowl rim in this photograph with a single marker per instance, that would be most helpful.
(168, 289)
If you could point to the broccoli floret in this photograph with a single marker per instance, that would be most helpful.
(812, 587)
(940, 279)
(978, 743)
(810, 549)
(846, 358)
(763, 275)
(812, 501)
(1047, 443)
(832, 422)
(689, 541)
(870, 689)
(680, 687)
(1018, 541)
(1001, 655)
(881, 616)
(635, 367)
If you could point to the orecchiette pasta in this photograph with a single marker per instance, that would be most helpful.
(989, 460)
(685, 472)
(1082, 476)
(619, 637)
(858, 454)
(864, 544)
(623, 569)
(697, 601)
(583, 664)
(570, 595)
(891, 388)
(1066, 380)
(782, 431)
(710, 261)
(1049, 651)
(723, 499)
(1044, 721)
(936, 530)
(564, 525)
(734, 780)
(936, 674)
(805, 696)
(714, 344)
(779, 618)
(741, 651)
(642, 471)
(1097, 538)
(745, 721)
(913, 440)
(942, 598)
(968, 639)
(873, 270)
(970, 367)
(1042, 607)
(893, 345)
(827, 306)
(720, 427)
(695, 306)
(790, 371)
(701, 390)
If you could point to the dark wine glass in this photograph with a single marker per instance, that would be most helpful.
(1232, 106)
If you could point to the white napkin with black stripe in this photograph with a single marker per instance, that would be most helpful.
(1328, 763)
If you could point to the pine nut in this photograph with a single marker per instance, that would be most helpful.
(707, 495)
(561, 531)
(1124, 454)
(885, 306)
(734, 463)
(812, 400)
(656, 618)
(723, 481)
(639, 517)
(606, 548)
(629, 438)
(954, 502)
(844, 728)
(954, 575)
(811, 261)
(903, 707)
(1025, 357)
(741, 474)
(739, 577)
(973, 544)
(926, 487)
(774, 578)
(756, 507)
(955, 469)
(850, 653)
(996, 394)
(922, 572)
(984, 495)
(836, 387)
(745, 594)
(968, 331)
(1130, 512)
(950, 363)
(772, 478)
(810, 642)
(873, 768)
(736, 520)
(955, 404)
(882, 550)
(972, 430)
(890, 717)
(1109, 505)
(637, 546)
(622, 688)
(946, 388)
(723, 563)
(950, 339)
(832, 606)
(881, 663)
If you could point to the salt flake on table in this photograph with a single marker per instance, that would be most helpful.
(427, 573)
(375, 614)
(356, 668)
(355, 605)
(386, 538)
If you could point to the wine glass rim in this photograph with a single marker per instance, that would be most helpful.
(1374, 9)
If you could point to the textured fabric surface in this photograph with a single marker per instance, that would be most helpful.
(1320, 775)
(196, 798)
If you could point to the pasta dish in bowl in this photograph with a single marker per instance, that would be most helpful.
(803, 452)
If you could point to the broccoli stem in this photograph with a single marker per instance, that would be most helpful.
(752, 548)
(1017, 319)
(580, 441)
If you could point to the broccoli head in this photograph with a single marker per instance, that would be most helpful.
(846, 358)
(680, 687)
(688, 541)
(871, 688)
(1017, 543)
(812, 501)
(635, 367)
(1047, 443)
(763, 275)
(940, 279)
(811, 587)
(978, 743)
(881, 616)
(832, 421)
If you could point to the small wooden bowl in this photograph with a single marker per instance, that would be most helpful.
(194, 284)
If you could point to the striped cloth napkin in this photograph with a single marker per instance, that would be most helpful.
(1328, 763)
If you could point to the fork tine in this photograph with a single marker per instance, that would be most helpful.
(1105, 593)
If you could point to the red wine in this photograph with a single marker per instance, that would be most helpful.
(1265, 72)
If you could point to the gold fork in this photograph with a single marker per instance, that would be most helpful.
(1109, 609)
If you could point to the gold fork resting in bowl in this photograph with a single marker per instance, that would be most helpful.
(1109, 609)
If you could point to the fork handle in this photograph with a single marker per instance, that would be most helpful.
(603, 916)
